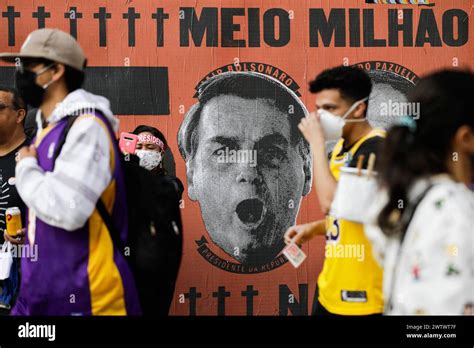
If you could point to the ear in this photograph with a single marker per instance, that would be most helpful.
(59, 71)
(307, 164)
(190, 178)
(464, 139)
(20, 116)
(360, 110)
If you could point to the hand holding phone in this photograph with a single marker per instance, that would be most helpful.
(128, 143)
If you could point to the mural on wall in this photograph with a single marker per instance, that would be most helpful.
(247, 165)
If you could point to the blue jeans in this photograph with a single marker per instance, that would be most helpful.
(9, 286)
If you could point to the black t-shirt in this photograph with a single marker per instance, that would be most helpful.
(9, 196)
(371, 145)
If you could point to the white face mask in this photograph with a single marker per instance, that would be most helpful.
(333, 125)
(149, 159)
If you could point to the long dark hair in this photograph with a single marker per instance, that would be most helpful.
(422, 147)
(155, 132)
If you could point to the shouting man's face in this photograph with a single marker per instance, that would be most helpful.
(247, 175)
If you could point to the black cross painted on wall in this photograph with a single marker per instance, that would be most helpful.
(41, 15)
(131, 15)
(73, 15)
(160, 17)
(11, 15)
(102, 16)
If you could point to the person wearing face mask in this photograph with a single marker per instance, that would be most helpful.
(348, 284)
(156, 267)
(79, 270)
(426, 244)
(151, 150)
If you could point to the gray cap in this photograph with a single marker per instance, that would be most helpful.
(52, 44)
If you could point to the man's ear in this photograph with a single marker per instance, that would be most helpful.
(190, 178)
(464, 139)
(307, 164)
(20, 115)
(361, 110)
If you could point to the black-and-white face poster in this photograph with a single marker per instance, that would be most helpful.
(247, 163)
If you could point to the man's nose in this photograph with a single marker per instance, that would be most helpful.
(247, 173)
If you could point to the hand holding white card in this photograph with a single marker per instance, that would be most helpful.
(294, 254)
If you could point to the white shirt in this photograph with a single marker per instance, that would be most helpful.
(433, 271)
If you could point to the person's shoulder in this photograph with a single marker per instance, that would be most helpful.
(177, 180)
(452, 196)
(449, 205)
(369, 146)
(88, 127)
(372, 143)
(445, 214)
(178, 185)
(170, 183)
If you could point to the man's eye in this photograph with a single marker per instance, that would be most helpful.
(219, 151)
(273, 154)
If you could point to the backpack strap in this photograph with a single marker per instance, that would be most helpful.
(109, 223)
(62, 140)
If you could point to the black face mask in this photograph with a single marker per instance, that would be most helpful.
(31, 93)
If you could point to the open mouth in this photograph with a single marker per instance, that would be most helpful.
(250, 211)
